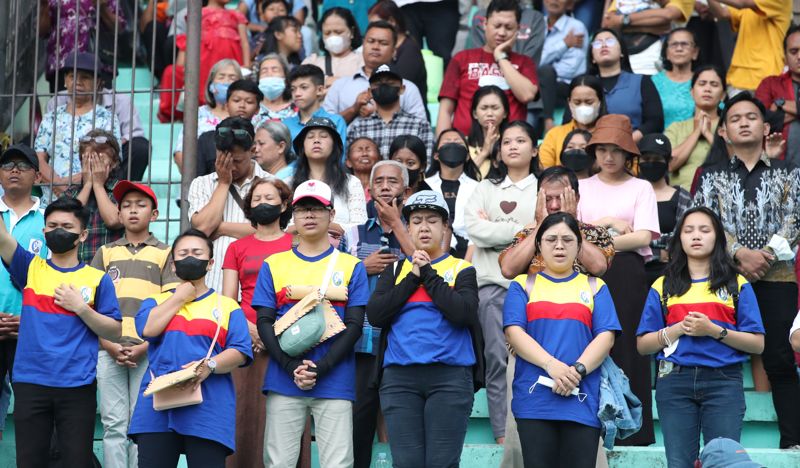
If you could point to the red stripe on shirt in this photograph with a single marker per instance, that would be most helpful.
(420, 295)
(282, 299)
(715, 311)
(550, 310)
(43, 303)
(197, 327)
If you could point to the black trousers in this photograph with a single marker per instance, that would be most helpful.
(8, 348)
(778, 304)
(365, 411)
(437, 22)
(554, 93)
(162, 450)
(160, 57)
(71, 411)
(547, 444)
(139, 149)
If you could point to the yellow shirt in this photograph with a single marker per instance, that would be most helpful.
(550, 150)
(759, 47)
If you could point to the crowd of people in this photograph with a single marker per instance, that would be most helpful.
(349, 261)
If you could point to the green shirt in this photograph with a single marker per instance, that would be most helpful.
(677, 133)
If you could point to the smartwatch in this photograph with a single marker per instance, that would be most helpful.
(212, 365)
(580, 368)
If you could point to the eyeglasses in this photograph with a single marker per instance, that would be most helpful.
(680, 45)
(100, 140)
(608, 42)
(312, 211)
(553, 240)
(21, 166)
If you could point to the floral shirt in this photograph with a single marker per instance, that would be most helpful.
(55, 137)
(595, 235)
(206, 121)
(74, 15)
(265, 114)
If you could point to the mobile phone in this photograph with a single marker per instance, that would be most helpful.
(312, 369)
(385, 249)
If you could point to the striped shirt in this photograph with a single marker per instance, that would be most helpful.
(138, 271)
(200, 193)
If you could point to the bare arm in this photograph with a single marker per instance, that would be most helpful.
(593, 259)
(68, 297)
(597, 351)
(718, 11)
(681, 153)
(522, 88)
(650, 343)
(516, 259)
(795, 341)
(44, 19)
(447, 107)
(230, 283)
(245, 46)
(235, 230)
(632, 241)
(109, 211)
(7, 243)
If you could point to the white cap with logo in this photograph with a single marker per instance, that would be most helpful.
(315, 189)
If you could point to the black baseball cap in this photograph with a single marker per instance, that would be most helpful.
(24, 151)
(656, 143)
(384, 70)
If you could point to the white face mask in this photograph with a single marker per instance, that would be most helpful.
(585, 114)
(337, 44)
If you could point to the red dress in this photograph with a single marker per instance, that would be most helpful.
(219, 40)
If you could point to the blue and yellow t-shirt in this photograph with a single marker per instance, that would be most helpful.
(420, 334)
(703, 351)
(185, 339)
(563, 316)
(291, 268)
(27, 230)
(55, 347)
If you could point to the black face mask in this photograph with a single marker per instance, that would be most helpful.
(59, 240)
(190, 268)
(265, 213)
(413, 177)
(576, 159)
(386, 94)
(652, 171)
(452, 154)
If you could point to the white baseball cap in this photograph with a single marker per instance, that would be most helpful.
(315, 189)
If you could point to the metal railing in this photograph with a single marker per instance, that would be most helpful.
(28, 27)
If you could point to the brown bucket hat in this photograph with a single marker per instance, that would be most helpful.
(613, 129)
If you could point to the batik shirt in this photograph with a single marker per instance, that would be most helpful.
(755, 205)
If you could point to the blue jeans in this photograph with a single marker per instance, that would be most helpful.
(695, 399)
(427, 409)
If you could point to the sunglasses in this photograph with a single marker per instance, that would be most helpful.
(237, 133)
(100, 140)
(19, 165)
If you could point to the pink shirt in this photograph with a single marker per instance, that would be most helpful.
(633, 201)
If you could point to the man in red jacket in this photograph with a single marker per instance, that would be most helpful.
(780, 94)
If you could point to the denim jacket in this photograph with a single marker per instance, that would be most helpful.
(620, 411)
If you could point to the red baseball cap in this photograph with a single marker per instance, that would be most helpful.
(125, 186)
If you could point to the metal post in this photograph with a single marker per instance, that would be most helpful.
(190, 104)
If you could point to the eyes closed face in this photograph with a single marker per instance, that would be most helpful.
(698, 236)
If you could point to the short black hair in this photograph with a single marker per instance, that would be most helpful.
(349, 20)
(742, 97)
(69, 205)
(192, 232)
(307, 71)
(558, 218)
(558, 173)
(223, 143)
(793, 28)
(382, 25)
(246, 85)
(263, 4)
(504, 5)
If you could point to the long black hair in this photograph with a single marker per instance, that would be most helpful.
(279, 25)
(557, 218)
(624, 59)
(475, 137)
(497, 174)
(709, 67)
(335, 171)
(470, 169)
(677, 280)
(414, 144)
(590, 81)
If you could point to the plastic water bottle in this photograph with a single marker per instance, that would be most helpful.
(383, 461)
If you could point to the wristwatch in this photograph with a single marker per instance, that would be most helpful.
(580, 368)
(212, 365)
(626, 20)
(722, 334)
(779, 103)
(503, 56)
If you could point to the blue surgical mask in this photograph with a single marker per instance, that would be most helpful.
(272, 87)
(220, 91)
